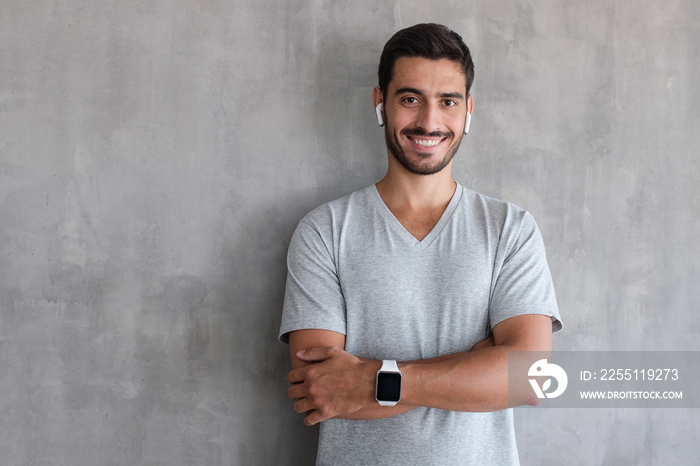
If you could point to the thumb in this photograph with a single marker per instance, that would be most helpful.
(317, 354)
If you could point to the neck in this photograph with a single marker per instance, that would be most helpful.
(402, 190)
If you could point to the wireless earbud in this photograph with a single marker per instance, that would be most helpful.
(469, 121)
(378, 109)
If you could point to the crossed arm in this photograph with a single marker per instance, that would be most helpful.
(329, 382)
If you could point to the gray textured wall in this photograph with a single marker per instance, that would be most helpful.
(156, 155)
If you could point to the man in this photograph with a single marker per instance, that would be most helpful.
(420, 270)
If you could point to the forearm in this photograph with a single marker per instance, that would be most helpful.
(375, 411)
(475, 381)
(478, 380)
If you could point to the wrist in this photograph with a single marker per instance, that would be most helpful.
(368, 378)
(410, 371)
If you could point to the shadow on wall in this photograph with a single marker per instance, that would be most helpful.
(253, 293)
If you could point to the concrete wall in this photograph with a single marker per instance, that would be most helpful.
(156, 155)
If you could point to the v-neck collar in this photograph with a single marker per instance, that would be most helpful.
(401, 230)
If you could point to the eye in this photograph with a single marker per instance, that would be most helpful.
(410, 100)
(450, 103)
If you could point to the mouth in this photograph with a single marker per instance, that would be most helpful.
(423, 142)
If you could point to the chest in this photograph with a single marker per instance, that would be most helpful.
(419, 224)
(418, 303)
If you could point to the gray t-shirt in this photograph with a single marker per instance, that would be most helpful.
(354, 269)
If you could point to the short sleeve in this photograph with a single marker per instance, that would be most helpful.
(523, 283)
(313, 297)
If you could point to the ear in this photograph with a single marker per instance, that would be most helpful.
(470, 109)
(377, 99)
(377, 96)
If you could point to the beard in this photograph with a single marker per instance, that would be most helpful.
(415, 166)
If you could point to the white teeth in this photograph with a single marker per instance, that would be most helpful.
(426, 142)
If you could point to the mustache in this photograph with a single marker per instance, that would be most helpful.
(424, 133)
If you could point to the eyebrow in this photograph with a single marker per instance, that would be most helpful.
(413, 90)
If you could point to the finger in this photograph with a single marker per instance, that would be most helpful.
(314, 417)
(485, 343)
(296, 392)
(317, 354)
(296, 375)
(303, 406)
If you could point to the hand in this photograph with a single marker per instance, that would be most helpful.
(485, 343)
(337, 384)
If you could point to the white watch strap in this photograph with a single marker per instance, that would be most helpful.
(389, 366)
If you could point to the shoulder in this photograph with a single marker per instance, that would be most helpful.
(330, 213)
(495, 213)
(326, 220)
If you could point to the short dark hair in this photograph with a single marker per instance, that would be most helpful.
(428, 40)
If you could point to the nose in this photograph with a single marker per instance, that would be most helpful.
(429, 118)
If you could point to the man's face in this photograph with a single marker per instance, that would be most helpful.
(425, 111)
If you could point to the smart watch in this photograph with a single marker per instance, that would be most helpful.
(388, 391)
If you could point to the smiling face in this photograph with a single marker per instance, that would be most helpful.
(424, 112)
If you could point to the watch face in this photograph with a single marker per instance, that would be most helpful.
(388, 386)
